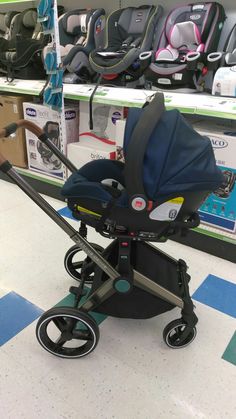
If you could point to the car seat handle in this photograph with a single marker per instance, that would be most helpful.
(151, 114)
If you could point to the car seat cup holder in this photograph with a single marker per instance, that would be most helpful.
(214, 60)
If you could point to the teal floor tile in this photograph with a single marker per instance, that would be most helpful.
(230, 352)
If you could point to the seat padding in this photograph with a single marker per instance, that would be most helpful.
(86, 182)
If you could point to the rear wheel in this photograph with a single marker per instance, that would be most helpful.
(76, 260)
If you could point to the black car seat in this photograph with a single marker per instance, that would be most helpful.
(190, 33)
(129, 32)
(81, 31)
(22, 57)
(227, 57)
(3, 27)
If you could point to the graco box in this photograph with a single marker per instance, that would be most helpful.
(219, 209)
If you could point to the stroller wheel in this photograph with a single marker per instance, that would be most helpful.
(177, 334)
(73, 263)
(67, 332)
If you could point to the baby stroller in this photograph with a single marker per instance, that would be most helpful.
(151, 197)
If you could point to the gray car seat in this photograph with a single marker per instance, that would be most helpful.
(129, 32)
(81, 31)
(227, 57)
(21, 55)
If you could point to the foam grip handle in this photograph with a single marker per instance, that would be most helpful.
(10, 129)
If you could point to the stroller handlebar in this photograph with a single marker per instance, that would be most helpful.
(22, 123)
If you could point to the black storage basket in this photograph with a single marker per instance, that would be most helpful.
(139, 304)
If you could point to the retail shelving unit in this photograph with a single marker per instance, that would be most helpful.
(210, 240)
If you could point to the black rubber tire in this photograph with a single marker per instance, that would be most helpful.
(173, 331)
(73, 269)
(64, 315)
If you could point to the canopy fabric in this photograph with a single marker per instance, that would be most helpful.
(177, 158)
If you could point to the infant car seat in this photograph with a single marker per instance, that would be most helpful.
(129, 32)
(81, 31)
(21, 56)
(154, 192)
(190, 33)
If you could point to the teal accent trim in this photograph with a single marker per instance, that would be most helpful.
(68, 301)
(122, 285)
(230, 352)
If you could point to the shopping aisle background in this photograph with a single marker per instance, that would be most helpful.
(132, 374)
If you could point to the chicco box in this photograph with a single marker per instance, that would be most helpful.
(40, 158)
(104, 121)
(219, 209)
(87, 150)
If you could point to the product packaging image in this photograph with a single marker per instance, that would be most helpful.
(40, 158)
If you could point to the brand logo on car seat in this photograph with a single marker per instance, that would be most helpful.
(195, 17)
(31, 112)
(218, 143)
(70, 115)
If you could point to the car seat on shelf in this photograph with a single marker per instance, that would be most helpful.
(81, 31)
(142, 196)
(21, 57)
(129, 31)
(190, 33)
(8, 30)
(3, 27)
(227, 57)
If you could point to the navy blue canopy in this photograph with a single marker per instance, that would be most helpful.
(177, 158)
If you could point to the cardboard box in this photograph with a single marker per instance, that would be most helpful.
(13, 148)
(219, 209)
(224, 83)
(40, 158)
(87, 150)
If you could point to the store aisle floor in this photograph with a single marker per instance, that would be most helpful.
(131, 374)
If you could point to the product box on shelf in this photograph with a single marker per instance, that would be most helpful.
(14, 147)
(99, 142)
(87, 150)
(219, 209)
(224, 83)
(40, 158)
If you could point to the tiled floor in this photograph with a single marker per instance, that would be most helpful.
(132, 374)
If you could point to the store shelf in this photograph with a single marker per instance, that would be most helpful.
(193, 103)
(16, 1)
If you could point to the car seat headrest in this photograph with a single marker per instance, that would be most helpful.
(133, 20)
(3, 26)
(29, 19)
(77, 23)
(184, 34)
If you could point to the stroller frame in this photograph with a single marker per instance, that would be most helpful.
(178, 333)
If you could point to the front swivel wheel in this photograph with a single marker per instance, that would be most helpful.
(67, 332)
(177, 334)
